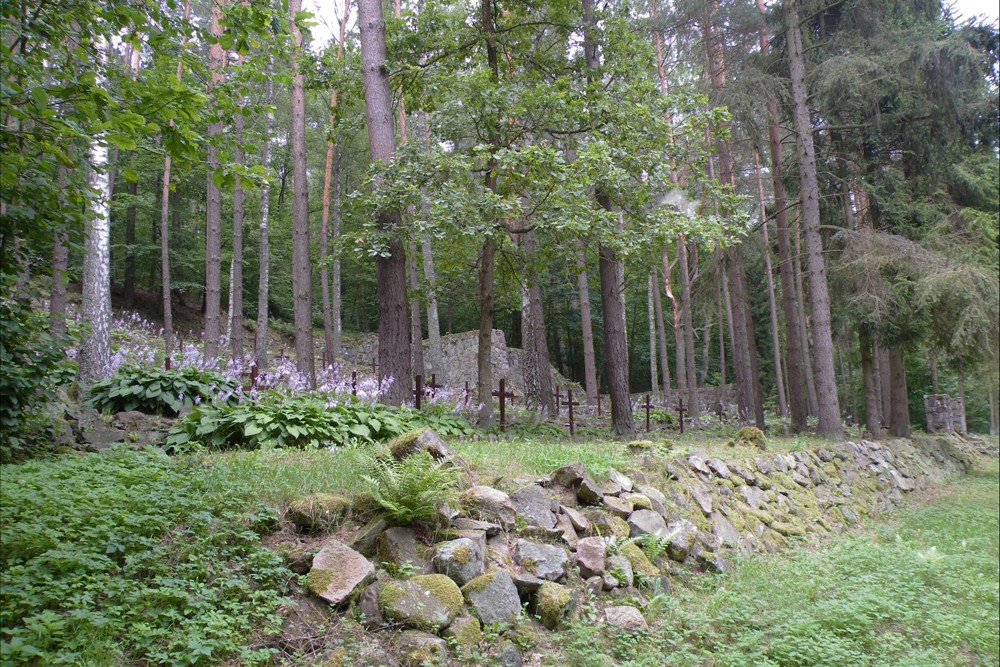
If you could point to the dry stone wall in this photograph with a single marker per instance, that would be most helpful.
(550, 543)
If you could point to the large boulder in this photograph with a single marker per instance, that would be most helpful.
(461, 559)
(338, 572)
(681, 536)
(545, 561)
(317, 511)
(490, 504)
(493, 597)
(425, 602)
(398, 545)
(625, 618)
(535, 505)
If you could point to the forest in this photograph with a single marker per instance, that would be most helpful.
(796, 200)
(437, 332)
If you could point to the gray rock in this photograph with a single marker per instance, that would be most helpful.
(371, 615)
(425, 602)
(673, 472)
(554, 604)
(753, 495)
(901, 483)
(338, 572)
(620, 568)
(463, 523)
(424, 440)
(461, 559)
(580, 522)
(590, 492)
(526, 583)
(397, 545)
(509, 655)
(570, 475)
(824, 455)
(718, 467)
(490, 504)
(594, 584)
(701, 497)
(764, 466)
(493, 597)
(743, 474)
(625, 618)
(681, 536)
(646, 522)
(725, 531)
(569, 535)
(536, 506)
(779, 463)
(545, 561)
(849, 514)
(421, 649)
(712, 562)
(698, 463)
(364, 539)
(618, 506)
(98, 439)
(620, 479)
(801, 479)
(591, 553)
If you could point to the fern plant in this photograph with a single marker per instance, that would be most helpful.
(412, 488)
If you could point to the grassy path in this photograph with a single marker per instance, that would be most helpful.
(919, 590)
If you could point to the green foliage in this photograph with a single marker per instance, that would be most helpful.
(412, 488)
(303, 421)
(158, 391)
(130, 558)
(30, 362)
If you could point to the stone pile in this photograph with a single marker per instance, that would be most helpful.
(546, 544)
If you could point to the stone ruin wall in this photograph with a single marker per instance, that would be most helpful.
(945, 414)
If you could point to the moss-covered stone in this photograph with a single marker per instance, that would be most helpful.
(466, 632)
(787, 529)
(317, 511)
(637, 558)
(749, 436)
(443, 588)
(419, 649)
(554, 604)
(607, 525)
(426, 602)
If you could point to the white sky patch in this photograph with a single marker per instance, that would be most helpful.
(326, 16)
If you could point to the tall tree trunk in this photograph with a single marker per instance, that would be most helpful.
(690, 360)
(722, 331)
(60, 264)
(305, 362)
(435, 352)
(336, 300)
(872, 409)
(961, 398)
(800, 305)
(235, 320)
(264, 254)
(775, 342)
(885, 380)
(416, 327)
(95, 349)
(128, 285)
(680, 359)
(213, 202)
(651, 318)
(331, 334)
(899, 410)
(661, 334)
(587, 325)
(797, 400)
(994, 409)
(390, 271)
(484, 356)
(534, 315)
(932, 364)
(826, 385)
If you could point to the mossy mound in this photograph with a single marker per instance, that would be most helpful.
(466, 633)
(638, 559)
(317, 511)
(749, 436)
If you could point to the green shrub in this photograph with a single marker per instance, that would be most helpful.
(158, 391)
(302, 421)
(412, 488)
(29, 372)
(131, 558)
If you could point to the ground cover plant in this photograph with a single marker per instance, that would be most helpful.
(919, 589)
(132, 558)
(158, 391)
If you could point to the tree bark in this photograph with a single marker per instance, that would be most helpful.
(661, 334)
(932, 364)
(800, 305)
(587, 325)
(533, 315)
(60, 264)
(722, 330)
(872, 422)
(434, 351)
(390, 271)
(826, 386)
(128, 284)
(775, 342)
(885, 379)
(236, 272)
(264, 251)
(331, 335)
(651, 319)
(95, 348)
(680, 359)
(797, 399)
(484, 356)
(899, 410)
(301, 264)
(416, 327)
(213, 201)
(690, 360)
